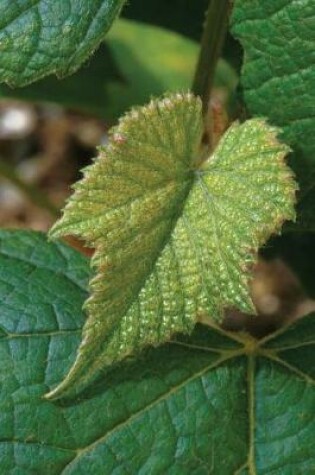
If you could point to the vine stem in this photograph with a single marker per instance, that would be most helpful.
(211, 45)
(30, 191)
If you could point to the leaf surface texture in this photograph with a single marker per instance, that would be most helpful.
(174, 235)
(278, 79)
(38, 38)
(203, 404)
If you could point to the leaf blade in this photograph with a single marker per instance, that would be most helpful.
(161, 256)
(278, 78)
(192, 396)
(38, 39)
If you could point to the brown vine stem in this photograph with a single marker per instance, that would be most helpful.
(216, 24)
(30, 191)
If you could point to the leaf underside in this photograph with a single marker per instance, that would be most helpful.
(38, 38)
(175, 236)
(202, 405)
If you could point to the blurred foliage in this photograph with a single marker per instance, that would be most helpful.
(136, 62)
(183, 16)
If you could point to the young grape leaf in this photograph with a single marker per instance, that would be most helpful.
(174, 235)
(38, 38)
(214, 403)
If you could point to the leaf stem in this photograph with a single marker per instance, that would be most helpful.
(31, 191)
(211, 44)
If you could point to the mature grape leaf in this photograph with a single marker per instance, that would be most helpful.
(135, 63)
(214, 403)
(279, 80)
(38, 38)
(174, 237)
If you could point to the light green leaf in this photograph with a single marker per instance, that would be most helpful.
(136, 62)
(214, 404)
(279, 80)
(174, 237)
(38, 38)
(154, 61)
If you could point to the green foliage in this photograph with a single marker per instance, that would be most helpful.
(154, 61)
(174, 235)
(40, 38)
(136, 62)
(278, 78)
(215, 403)
(181, 16)
(176, 232)
(75, 91)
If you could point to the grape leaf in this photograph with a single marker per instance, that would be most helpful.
(278, 79)
(213, 403)
(174, 237)
(38, 38)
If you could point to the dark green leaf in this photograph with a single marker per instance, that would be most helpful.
(207, 405)
(38, 38)
(279, 80)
